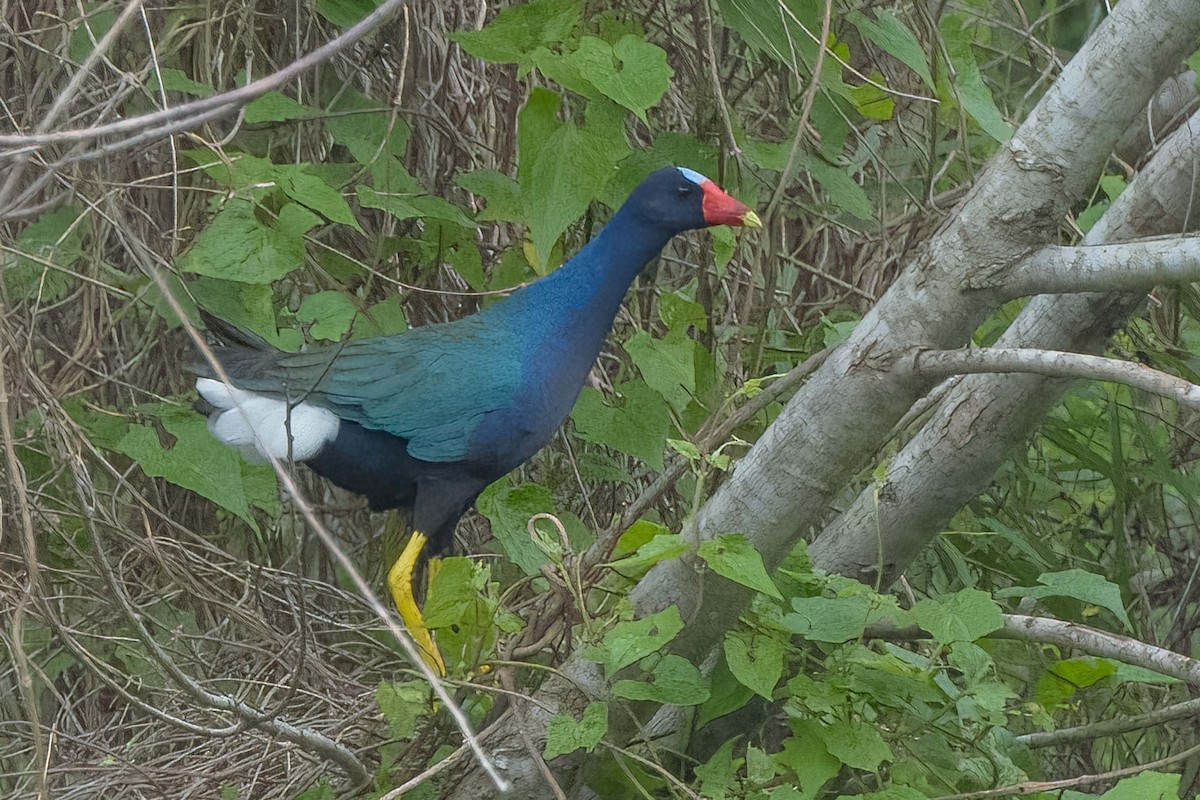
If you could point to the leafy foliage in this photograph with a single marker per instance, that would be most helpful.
(565, 734)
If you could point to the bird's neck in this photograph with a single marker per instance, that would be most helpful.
(592, 285)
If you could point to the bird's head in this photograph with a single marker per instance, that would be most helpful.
(681, 199)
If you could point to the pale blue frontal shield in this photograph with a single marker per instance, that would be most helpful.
(693, 176)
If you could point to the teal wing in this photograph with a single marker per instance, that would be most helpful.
(432, 385)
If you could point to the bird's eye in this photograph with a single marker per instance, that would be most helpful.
(684, 191)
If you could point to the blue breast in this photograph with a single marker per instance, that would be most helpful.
(559, 324)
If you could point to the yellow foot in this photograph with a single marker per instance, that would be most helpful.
(400, 582)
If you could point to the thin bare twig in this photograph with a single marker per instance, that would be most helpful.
(226, 102)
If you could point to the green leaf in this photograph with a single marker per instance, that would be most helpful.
(458, 248)
(1064, 678)
(633, 73)
(719, 774)
(756, 660)
(897, 792)
(1091, 215)
(407, 206)
(685, 449)
(565, 71)
(1146, 786)
(91, 27)
(176, 80)
(806, 754)
(892, 36)
(871, 101)
(972, 93)
(402, 706)
(760, 768)
(731, 556)
(638, 535)
(328, 314)
(320, 791)
(596, 466)
(1131, 673)
(501, 192)
(390, 177)
(842, 189)
(431, 207)
(822, 699)
(728, 695)
(826, 619)
(385, 318)
(518, 30)
(673, 680)
(638, 425)
(562, 168)
(681, 313)
(837, 332)
(857, 744)
(565, 734)
(56, 237)
(178, 447)
(667, 365)
(277, 107)
(238, 171)
(536, 123)
(724, 242)
(1084, 586)
(669, 149)
(313, 192)
(830, 120)
(509, 509)
(1112, 185)
(369, 131)
(964, 616)
(345, 13)
(630, 641)
(451, 593)
(247, 305)
(661, 548)
(782, 29)
(768, 155)
(238, 246)
(103, 429)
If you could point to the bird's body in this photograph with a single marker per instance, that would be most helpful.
(428, 418)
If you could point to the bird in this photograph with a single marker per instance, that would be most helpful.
(426, 419)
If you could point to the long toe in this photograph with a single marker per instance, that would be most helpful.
(400, 581)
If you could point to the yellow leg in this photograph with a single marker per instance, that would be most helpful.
(400, 582)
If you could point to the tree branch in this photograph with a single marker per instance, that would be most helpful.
(1130, 266)
(1096, 642)
(1072, 636)
(1110, 727)
(16, 144)
(954, 456)
(1058, 364)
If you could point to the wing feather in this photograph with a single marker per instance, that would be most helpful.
(431, 386)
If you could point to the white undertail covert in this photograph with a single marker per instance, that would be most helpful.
(265, 426)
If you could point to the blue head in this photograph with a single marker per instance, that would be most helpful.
(677, 199)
